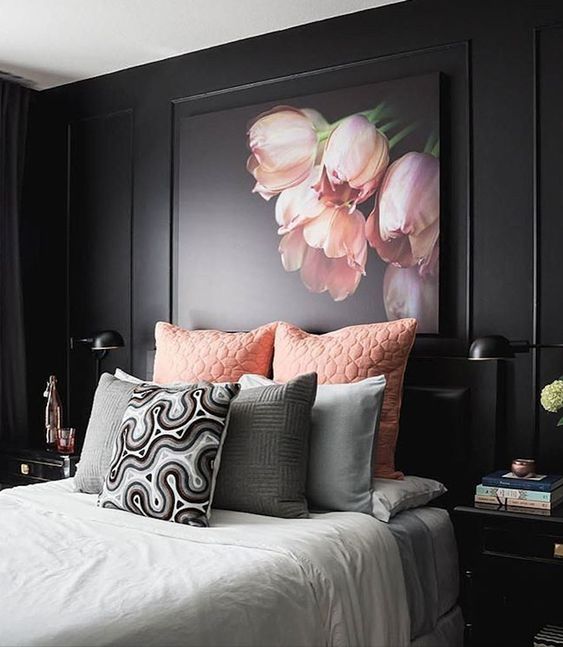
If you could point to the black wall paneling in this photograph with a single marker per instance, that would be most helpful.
(503, 198)
(100, 281)
(462, 403)
(549, 234)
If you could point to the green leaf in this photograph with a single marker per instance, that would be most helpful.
(560, 423)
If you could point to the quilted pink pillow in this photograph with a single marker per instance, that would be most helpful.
(193, 355)
(349, 355)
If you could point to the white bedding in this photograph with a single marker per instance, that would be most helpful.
(75, 574)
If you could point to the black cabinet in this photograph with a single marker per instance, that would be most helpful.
(25, 466)
(512, 574)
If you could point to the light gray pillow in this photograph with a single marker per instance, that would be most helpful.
(265, 455)
(391, 496)
(110, 403)
(345, 419)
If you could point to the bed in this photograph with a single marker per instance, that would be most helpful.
(81, 575)
(73, 573)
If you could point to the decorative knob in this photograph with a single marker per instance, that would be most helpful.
(25, 469)
(558, 551)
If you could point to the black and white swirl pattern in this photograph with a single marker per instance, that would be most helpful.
(164, 460)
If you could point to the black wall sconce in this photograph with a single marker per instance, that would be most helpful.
(100, 344)
(499, 347)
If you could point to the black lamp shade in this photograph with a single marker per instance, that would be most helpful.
(106, 340)
(491, 347)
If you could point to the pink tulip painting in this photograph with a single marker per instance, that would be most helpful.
(339, 192)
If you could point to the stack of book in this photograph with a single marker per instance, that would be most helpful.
(539, 493)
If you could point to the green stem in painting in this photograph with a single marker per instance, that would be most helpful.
(402, 134)
(386, 127)
(432, 145)
(376, 114)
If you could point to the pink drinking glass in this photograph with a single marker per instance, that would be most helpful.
(65, 440)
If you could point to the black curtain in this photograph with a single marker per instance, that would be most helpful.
(14, 101)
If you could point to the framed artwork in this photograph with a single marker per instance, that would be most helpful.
(320, 208)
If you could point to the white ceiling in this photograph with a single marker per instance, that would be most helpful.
(52, 42)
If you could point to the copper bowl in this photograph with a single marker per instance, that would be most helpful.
(523, 467)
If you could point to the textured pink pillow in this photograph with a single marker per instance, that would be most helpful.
(349, 355)
(193, 355)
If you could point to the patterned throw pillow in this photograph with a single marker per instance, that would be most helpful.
(166, 456)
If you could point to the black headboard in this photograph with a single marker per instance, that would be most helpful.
(452, 420)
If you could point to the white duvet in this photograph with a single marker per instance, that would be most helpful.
(75, 574)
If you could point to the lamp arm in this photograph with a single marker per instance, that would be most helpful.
(83, 340)
(520, 345)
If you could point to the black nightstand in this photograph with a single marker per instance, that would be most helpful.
(512, 573)
(26, 466)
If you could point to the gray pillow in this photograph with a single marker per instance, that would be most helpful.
(265, 455)
(110, 403)
(345, 419)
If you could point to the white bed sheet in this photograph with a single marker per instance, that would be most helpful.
(75, 574)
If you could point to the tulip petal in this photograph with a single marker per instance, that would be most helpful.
(285, 146)
(267, 195)
(356, 155)
(282, 138)
(297, 205)
(394, 250)
(316, 118)
(339, 233)
(424, 243)
(431, 266)
(342, 280)
(338, 195)
(359, 257)
(317, 231)
(406, 294)
(292, 249)
(276, 181)
(372, 172)
(315, 270)
(409, 197)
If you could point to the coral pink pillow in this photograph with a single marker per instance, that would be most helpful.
(193, 355)
(349, 355)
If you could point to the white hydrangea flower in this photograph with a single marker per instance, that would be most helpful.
(552, 396)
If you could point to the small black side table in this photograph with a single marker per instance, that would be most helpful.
(26, 466)
(512, 573)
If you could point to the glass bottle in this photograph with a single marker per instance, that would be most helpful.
(53, 413)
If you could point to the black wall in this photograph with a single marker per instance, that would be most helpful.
(99, 198)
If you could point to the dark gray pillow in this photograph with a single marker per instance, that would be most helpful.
(344, 423)
(110, 403)
(264, 461)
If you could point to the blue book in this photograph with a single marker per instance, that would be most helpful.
(539, 482)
